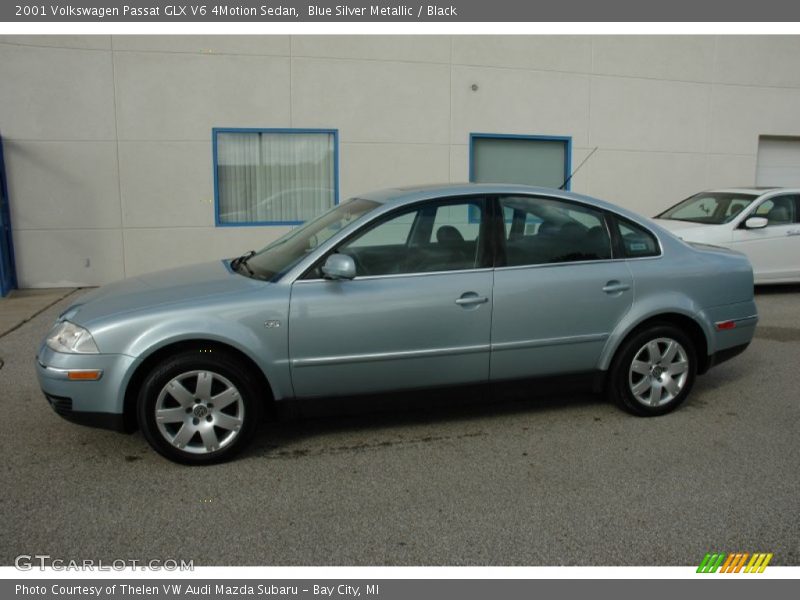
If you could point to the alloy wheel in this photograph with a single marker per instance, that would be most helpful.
(658, 372)
(199, 412)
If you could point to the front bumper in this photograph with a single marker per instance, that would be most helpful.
(63, 407)
(98, 403)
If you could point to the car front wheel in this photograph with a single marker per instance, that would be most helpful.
(199, 407)
(654, 371)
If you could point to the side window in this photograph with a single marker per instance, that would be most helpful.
(637, 242)
(781, 210)
(457, 219)
(543, 230)
(764, 208)
(518, 222)
(735, 206)
(436, 236)
(394, 232)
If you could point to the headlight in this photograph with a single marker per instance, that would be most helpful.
(70, 338)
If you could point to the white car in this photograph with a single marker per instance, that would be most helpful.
(763, 223)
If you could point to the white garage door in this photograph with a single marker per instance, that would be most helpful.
(778, 162)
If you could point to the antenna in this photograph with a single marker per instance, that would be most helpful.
(578, 168)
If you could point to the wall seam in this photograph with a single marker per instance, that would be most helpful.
(588, 173)
(291, 89)
(119, 166)
(709, 111)
(576, 146)
(450, 117)
(419, 62)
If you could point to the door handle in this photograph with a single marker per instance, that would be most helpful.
(471, 299)
(793, 232)
(616, 287)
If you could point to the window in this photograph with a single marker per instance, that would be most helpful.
(543, 230)
(393, 233)
(636, 241)
(525, 159)
(434, 236)
(781, 210)
(778, 161)
(274, 176)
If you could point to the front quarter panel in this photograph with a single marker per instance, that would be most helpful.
(239, 321)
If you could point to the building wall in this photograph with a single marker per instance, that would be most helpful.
(108, 138)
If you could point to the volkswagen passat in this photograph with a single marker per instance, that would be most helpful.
(402, 289)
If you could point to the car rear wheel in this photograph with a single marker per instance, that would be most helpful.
(199, 407)
(654, 371)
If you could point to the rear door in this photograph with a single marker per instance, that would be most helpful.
(557, 292)
(774, 250)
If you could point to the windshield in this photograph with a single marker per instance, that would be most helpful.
(710, 208)
(281, 255)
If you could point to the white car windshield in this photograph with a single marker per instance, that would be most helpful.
(709, 208)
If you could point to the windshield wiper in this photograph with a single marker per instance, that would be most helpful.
(241, 261)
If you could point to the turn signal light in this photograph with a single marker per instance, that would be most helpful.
(84, 375)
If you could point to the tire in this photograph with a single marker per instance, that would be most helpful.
(208, 404)
(653, 371)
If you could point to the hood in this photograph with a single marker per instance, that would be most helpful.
(674, 226)
(161, 288)
(689, 231)
(714, 248)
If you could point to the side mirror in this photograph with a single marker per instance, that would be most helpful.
(339, 266)
(756, 223)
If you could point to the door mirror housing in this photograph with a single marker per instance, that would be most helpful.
(339, 266)
(756, 223)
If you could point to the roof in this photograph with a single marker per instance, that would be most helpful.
(756, 191)
(406, 195)
(434, 190)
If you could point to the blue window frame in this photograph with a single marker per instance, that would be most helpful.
(242, 180)
(564, 141)
(545, 177)
(8, 272)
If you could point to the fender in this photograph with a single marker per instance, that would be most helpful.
(651, 306)
(236, 323)
(275, 370)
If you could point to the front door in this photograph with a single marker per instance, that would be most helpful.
(417, 314)
(8, 277)
(773, 250)
(557, 293)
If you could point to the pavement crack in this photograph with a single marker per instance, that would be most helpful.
(38, 312)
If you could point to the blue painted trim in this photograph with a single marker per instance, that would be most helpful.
(216, 130)
(8, 281)
(512, 136)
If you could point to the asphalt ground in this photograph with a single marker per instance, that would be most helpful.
(550, 481)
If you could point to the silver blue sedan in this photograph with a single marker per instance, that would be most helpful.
(402, 289)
